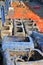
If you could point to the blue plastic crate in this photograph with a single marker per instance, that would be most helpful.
(17, 43)
(37, 35)
(40, 44)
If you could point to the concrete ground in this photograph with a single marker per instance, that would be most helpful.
(37, 11)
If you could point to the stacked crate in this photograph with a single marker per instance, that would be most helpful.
(7, 29)
(30, 26)
(13, 47)
(14, 50)
(18, 28)
(17, 48)
(0, 24)
(16, 42)
(35, 27)
(9, 23)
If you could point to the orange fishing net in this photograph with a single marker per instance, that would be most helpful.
(24, 12)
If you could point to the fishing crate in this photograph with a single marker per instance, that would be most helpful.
(0, 24)
(6, 30)
(18, 28)
(30, 25)
(22, 57)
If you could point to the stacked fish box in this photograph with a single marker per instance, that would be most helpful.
(17, 42)
(30, 25)
(18, 28)
(13, 47)
(35, 27)
(22, 53)
(9, 23)
(7, 29)
(0, 24)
